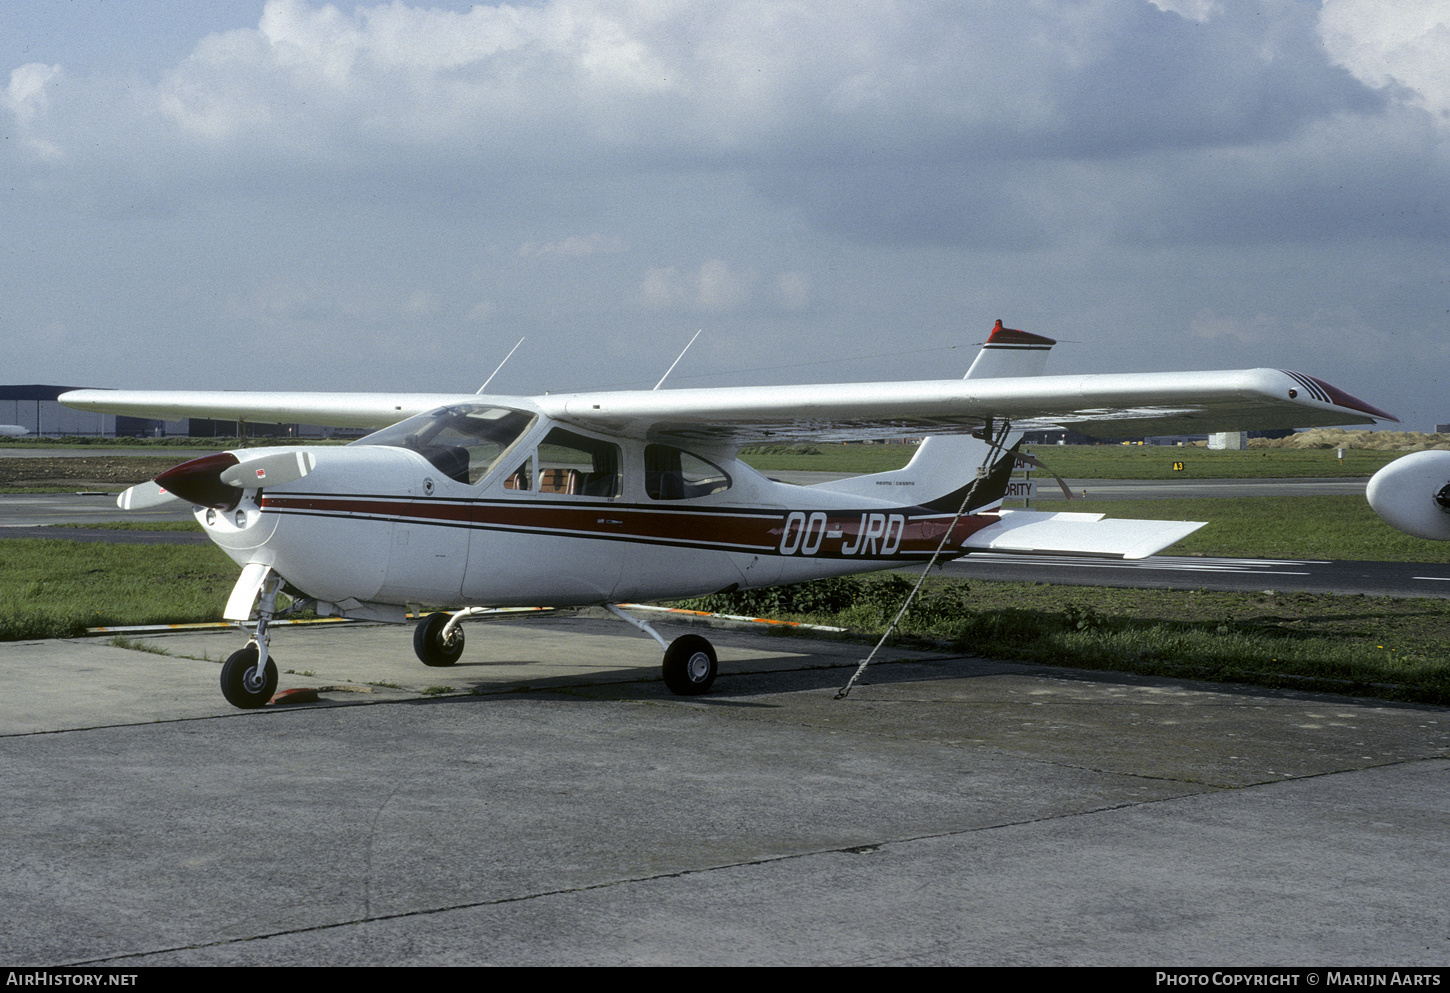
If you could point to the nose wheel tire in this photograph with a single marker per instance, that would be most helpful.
(690, 665)
(428, 643)
(243, 685)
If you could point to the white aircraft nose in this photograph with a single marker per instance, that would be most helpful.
(1410, 494)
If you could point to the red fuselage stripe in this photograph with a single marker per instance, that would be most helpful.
(905, 532)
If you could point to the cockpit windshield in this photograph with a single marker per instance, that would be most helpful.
(463, 441)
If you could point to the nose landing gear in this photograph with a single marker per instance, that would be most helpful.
(249, 676)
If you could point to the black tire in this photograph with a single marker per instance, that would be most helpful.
(429, 645)
(240, 684)
(690, 665)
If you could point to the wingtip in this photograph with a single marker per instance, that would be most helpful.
(1329, 393)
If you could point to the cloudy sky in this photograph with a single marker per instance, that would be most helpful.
(289, 195)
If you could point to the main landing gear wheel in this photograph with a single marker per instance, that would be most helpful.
(689, 665)
(428, 643)
(242, 685)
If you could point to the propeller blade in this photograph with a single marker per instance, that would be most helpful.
(269, 470)
(144, 496)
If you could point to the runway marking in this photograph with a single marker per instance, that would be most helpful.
(1440, 579)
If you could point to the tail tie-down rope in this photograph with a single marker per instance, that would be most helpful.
(994, 449)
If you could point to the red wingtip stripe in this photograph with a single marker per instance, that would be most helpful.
(1342, 399)
(1011, 336)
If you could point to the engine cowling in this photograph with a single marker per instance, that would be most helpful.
(1413, 494)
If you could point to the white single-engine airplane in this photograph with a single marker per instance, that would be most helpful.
(468, 502)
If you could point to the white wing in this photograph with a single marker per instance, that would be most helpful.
(343, 410)
(1111, 405)
(1102, 405)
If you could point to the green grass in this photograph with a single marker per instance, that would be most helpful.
(137, 645)
(50, 588)
(1372, 646)
(1095, 461)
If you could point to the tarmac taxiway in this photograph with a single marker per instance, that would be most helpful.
(547, 801)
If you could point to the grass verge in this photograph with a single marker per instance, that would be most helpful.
(51, 588)
(1365, 646)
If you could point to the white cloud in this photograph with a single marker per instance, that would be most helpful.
(793, 290)
(287, 302)
(421, 304)
(662, 289)
(1232, 328)
(574, 246)
(1194, 10)
(714, 287)
(571, 79)
(1404, 43)
(718, 287)
(398, 73)
(27, 97)
(904, 122)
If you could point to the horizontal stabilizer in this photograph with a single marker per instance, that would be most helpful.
(1030, 532)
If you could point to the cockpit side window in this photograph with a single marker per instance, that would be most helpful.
(574, 465)
(674, 474)
(462, 442)
(522, 478)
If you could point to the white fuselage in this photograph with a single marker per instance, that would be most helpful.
(384, 525)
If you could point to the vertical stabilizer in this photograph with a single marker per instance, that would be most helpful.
(1008, 353)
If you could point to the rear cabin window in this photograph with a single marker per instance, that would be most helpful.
(674, 474)
(574, 465)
